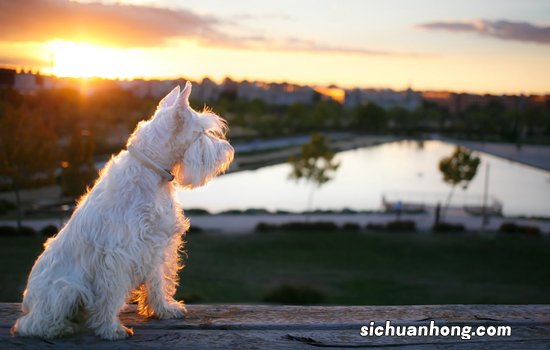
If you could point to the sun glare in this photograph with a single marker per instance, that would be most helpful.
(83, 60)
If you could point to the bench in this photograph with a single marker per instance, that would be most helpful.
(307, 327)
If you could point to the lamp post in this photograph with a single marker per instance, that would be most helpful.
(484, 216)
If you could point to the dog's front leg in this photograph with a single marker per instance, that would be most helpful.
(103, 310)
(159, 302)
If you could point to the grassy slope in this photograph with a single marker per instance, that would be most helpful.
(355, 268)
(347, 267)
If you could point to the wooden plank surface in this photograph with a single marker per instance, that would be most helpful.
(310, 327)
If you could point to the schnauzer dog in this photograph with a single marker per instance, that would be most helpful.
(123, 240)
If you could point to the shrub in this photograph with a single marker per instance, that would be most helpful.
(294, 295)
(297, 226)
(282, 212)
(6, 206)
(371, 226)
(256, 211)
(393, 226)
(265, 227)
(511, 227)
(196, 212)
(231, 212)
(194, 230)
(6, 231)
(26, 231)
(351, 226)
(9, 231)
(448, 227)
(401, 225)
(309, 226)
(349, 211)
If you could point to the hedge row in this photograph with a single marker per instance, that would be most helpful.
(10, 231)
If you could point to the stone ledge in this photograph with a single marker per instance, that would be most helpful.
(305, 327)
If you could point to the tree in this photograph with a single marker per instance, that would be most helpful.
(78, 170)
(315, 164)
(458, 169)
(28, 151)
(370, 118)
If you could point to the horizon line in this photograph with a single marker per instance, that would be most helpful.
(39, 71)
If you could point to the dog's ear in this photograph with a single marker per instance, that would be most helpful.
(171, 98)
(183, 99)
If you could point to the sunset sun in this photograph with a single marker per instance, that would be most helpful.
(84, 60)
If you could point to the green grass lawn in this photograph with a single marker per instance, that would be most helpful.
(345, 267)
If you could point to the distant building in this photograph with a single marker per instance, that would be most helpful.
(385, 98)
(207, 90)
(457, 103)
(439, 98)
(332, 92)
(281, 94)
(27, 82)
(7, 77)
(148, 88)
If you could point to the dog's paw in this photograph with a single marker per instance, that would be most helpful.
(117, 333)
(171, 311)
(70, 328)
(126, 308)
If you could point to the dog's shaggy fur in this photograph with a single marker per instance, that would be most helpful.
(123, 240)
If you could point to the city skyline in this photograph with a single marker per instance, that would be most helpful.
(497, 47)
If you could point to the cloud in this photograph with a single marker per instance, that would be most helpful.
(264, 16)
(501, 29)
(298, 44)
(124, 25)
(20, 61)
(118, 25)
(295, 44)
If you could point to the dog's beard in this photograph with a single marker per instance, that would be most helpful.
(180, 178)
(203, 160)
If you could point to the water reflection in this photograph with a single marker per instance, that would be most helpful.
(400, 168)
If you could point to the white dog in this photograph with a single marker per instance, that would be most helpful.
(124, 237)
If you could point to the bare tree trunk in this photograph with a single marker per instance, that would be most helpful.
(447, 204)
(310, 203)
(18, 204)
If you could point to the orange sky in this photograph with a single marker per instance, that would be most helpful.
(479, 46)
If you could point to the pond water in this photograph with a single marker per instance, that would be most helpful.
(406, 170)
